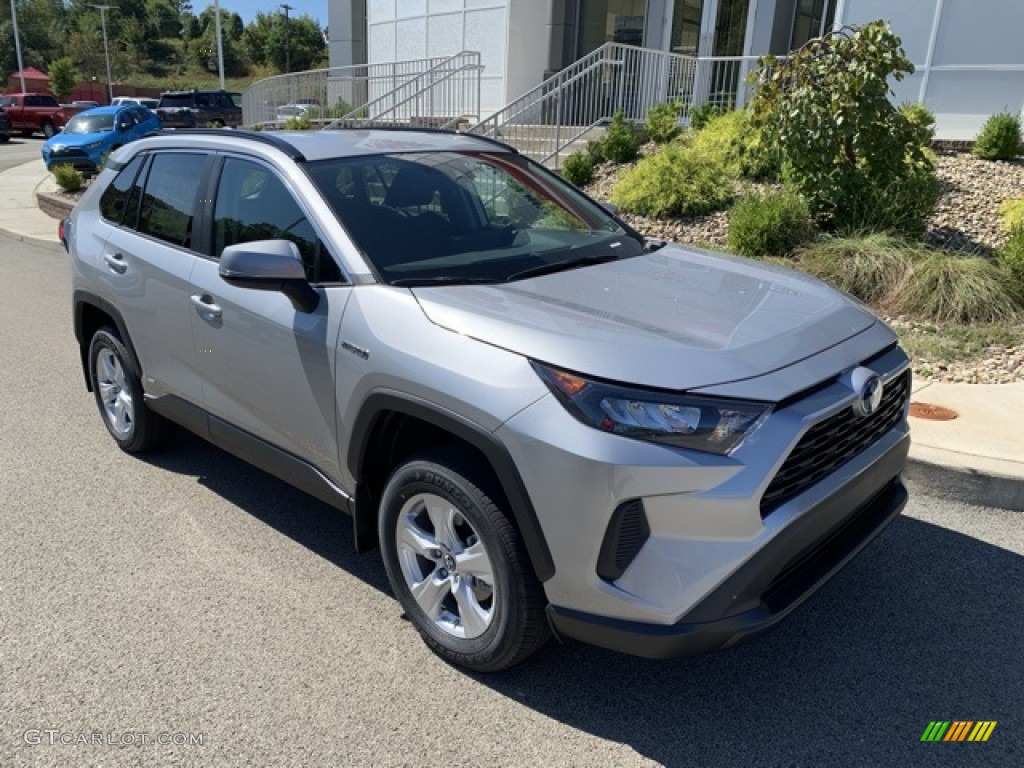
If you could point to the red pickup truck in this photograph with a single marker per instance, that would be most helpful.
(31, 112)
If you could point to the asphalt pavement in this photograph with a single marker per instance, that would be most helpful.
(190, 598)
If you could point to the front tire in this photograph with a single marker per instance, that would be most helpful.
(48, 129)
(457, 564)
(120, 398)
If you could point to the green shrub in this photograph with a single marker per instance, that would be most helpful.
(773, 224)
(579, 169)
(1000, 138)
(68, 179)
(870, 267)
(948, 287)
(675, 181)
(732, 140)
(1012, 211)
(704, 114)
(1011, 255)
(921, 118)
(620, 144)
(663, 122)
(900, 208)
(845, 148)
(299, 123)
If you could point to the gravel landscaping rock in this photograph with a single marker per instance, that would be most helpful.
(966, 219)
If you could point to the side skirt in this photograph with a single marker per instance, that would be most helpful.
(252, 449)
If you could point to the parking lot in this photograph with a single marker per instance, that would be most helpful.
(191, 610)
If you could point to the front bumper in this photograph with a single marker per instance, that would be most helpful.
(776, 580)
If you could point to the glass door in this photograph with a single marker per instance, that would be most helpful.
(605, 21)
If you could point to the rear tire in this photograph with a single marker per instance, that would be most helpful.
(120, 398)
(458, 566)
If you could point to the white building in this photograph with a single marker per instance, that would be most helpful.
(968, 53)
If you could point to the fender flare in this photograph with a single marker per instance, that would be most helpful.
(521, 507)
(83, 299)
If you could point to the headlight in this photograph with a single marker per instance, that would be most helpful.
(707, 424)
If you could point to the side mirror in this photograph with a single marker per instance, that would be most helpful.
(269, 265)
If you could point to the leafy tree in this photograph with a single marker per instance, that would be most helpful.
(858, 161)
(305, 43)
(63, 77)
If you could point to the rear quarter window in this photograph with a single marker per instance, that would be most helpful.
(114, 199)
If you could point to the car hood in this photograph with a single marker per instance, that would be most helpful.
(77, 139)
(677, 319)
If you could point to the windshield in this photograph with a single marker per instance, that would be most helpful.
(89, 124)
(430, 217)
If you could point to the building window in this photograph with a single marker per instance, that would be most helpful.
(813, 18)
(606, 21)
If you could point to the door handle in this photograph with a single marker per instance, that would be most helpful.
(205, 305)
(116, 262)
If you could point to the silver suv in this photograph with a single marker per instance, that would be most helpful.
(549, 424)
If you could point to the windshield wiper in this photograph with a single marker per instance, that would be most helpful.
(444, 280)
(560, 266)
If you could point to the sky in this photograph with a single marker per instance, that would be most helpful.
(248, 9)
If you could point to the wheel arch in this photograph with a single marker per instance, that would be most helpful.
(92, 313)
(398, 427)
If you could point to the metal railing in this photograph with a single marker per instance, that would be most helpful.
(564, 108)
(330, 92)
(443, 96)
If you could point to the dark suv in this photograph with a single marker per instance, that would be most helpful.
(199, 109)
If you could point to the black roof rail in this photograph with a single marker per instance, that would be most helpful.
(408, 129)
(265, 137)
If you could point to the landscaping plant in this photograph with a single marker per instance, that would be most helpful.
(950, 287)
(772, 224)
(579, 169)
(1012, 212)
(1000, 138)
(852, 155)
(704, 114)
(732, 140)
(67, 178)
(663, 122)
(1011, 255)
(676, 181)
(620, 144)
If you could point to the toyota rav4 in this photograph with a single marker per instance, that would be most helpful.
(548, 423)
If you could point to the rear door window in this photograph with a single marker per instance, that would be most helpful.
(170, 198)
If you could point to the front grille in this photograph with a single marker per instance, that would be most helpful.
(831, 443)
(69, 154)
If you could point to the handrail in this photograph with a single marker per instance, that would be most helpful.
(414, 84)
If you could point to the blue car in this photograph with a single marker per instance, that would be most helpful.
(90, 136)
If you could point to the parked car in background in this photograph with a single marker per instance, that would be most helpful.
(140, 101)
(544, 419)
(199, 109)
(5, 127)
(289, 111)
(33, 112)
(90, 135)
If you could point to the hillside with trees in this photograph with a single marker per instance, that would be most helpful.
(155, 42)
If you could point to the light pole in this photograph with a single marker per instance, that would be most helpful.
(106, 49)
(17, 46)
(220, 45)
(287, 38)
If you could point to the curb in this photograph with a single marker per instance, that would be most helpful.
(967, 486)
(54, 206)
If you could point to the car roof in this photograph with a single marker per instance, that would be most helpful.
(328, 144)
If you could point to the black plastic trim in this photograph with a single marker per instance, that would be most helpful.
(379, 404)
(252, 449)
(627, 531)
(773, 583)
(81, 299)
(263, 137)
